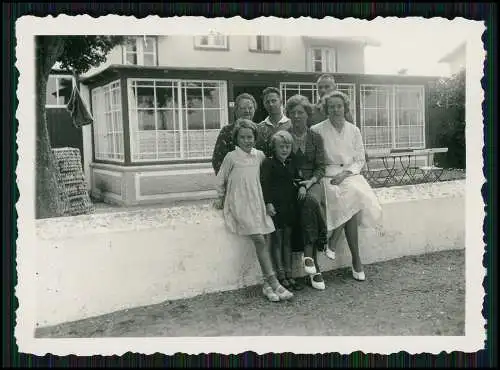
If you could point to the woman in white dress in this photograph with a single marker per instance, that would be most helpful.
(350, 201)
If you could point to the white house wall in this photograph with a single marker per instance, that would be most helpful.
(179, 51)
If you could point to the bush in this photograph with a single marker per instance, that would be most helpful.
(447, 120)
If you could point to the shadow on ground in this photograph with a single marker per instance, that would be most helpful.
(417, 295)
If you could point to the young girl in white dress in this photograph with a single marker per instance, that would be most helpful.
(240, 196)
(350, 201)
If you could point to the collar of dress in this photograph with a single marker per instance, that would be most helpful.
(283, 119)
(253, 152)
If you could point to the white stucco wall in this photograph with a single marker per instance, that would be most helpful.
(179, 51)
(96, 264)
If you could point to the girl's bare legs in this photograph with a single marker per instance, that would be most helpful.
(351, 234)
(262, 247)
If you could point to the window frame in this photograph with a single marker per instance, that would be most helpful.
(139, 44)
(393, 115)
(58, 77)
(98, 130)
(199, 46)
(311, 60)
(179, 113)
(272, 40)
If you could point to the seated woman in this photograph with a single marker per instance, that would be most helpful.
(309, 158)
(245, 107)
(349, 198)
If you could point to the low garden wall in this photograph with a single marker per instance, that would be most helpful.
(95, 264)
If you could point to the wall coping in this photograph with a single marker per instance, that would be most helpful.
(172, 216)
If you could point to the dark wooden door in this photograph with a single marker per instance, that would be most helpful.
(62, 132)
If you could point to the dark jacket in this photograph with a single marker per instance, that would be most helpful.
(312, 162)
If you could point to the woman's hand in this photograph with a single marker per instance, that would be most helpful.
(270, 209)
(307, 183)
(337, 179)
(302, 193)
(218, 203)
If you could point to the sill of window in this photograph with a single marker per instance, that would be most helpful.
(225, 48)
(265, 51)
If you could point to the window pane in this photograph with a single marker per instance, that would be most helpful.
(168, 145)
(166, 97)
(116, 99)
(51, 91)
(166, 119)
(149, 59)
(131, 59)
(145, 97)
(146, 119)
(212, 119)
(149, 45)
(317, 54)
(318, 67)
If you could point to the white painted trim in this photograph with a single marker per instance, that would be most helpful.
(108, 173)
(112, 195)
(153, 167)
(186, 195)
(175, 172)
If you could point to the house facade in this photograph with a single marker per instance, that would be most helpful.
(158, 113)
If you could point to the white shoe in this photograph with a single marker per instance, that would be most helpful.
(330, 254)
(309, 269)
(360, 276)
(320, 285)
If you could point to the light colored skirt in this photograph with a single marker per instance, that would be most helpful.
(344, 201)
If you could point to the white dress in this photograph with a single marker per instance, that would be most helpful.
(238, 181)
(344, 151)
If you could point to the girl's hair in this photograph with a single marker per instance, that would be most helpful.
(243, 123)
(323, 107)
(280, 136)
(269, 90)
(295, 100)
(327, 77)
(244, 96)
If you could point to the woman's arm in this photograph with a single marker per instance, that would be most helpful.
(359, 154)
(220, 149)
(319, 157)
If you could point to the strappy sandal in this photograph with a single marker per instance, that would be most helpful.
(283, 293)
(270, 294)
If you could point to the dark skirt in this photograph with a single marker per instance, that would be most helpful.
(310, 225)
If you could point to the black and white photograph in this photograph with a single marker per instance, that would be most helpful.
(225, 185)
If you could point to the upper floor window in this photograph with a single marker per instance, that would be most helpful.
(265, 44)
(140, 51)
(322, 60)
(211, 41)
(59, 89)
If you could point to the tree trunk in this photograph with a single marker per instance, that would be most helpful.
(50, 198)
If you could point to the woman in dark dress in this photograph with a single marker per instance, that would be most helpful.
(309, 157)
(245, 108)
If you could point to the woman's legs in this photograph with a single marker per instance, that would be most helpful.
(351, 234)
(335, 238)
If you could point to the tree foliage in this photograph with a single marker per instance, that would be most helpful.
(447, 103)
(77, 54)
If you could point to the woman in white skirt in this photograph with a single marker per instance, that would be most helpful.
(350, 201)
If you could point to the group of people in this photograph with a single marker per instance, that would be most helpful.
(292, 183)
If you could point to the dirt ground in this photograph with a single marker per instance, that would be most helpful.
(418, 295)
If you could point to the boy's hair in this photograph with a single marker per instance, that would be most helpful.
(243, 123)
(280, 136)
(327, 77)
(270, 90)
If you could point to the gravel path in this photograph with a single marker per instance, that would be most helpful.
(418, 295)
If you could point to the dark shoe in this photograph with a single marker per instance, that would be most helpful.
(285, 283)
(295, 285)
